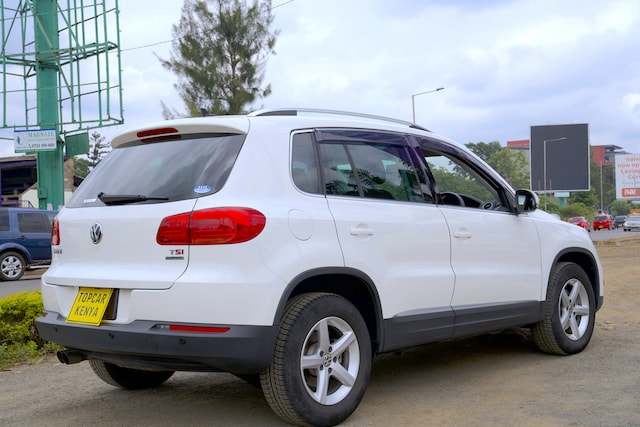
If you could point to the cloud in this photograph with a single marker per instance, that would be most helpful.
(506, 65)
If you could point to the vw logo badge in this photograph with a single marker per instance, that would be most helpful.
(96, 233)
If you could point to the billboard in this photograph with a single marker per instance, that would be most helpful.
(627, 176)
(560, 158)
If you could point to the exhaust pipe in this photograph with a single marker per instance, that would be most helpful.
(69, 357)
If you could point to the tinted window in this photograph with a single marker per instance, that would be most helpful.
(304, 168)
(35, 222)
(4, 220)
(171, 170)
(369, 164)
(460, 181)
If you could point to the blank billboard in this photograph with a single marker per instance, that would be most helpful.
(560, 158)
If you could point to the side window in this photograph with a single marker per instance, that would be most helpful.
(4, 220)
(355, 166)
(304, 170)
(338, 174)
(459, 184)
(385, 173)
(35, 222)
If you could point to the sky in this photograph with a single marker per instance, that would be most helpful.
(505, 65)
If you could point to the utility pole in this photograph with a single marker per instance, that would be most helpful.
(50, 164)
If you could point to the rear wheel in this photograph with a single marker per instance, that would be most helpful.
(569, 313)
(12, 266)
(132, 379)
(322, 361)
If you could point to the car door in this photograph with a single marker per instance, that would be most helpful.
(389, 229)
(33, 231)
(495, 254)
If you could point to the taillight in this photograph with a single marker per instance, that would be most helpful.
(55, 232)
(216, 226)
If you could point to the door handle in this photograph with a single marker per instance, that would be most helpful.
(463, 233)
(361, 230)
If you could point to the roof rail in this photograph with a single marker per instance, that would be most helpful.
(296, 111)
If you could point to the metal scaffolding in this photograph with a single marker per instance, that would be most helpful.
(60, 71)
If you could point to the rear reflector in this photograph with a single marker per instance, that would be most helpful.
(205, 329)
(193, 328)
(216, 226)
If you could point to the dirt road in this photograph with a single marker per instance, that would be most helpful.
(493, 380)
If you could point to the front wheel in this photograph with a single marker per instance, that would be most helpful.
(321, 363)
(129, 378)
(570, 312)
(12, 266)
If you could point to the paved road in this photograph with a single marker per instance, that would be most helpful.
(28, 283)
(610, 234)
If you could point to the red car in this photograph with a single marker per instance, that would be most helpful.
(580, 221)
(604, 221)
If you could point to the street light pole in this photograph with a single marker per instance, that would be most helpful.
(601, 200)
(413, 102)
(544, 163)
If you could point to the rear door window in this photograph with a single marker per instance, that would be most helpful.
(34, 222)
(370, 164)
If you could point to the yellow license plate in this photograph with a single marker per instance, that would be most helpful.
(89, 306)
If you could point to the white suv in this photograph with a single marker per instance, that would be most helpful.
(291, 246)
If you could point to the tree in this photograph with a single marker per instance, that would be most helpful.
(577, 209)
(484, 150)
(587, 198)
(510, 164)
(80, 167)
(98, 149)
(219, 52)
(621, 207)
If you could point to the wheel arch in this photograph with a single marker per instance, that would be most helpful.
(589, 264)
(353, 285)
(19, 249)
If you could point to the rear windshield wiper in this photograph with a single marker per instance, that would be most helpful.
(124, 199)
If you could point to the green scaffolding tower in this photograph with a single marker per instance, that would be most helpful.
(60, 72)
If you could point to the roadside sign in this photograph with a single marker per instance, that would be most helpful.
(627, 176)
(27, 141)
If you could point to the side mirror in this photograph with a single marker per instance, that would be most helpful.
(526, 201)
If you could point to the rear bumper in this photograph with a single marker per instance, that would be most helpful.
(240, 350)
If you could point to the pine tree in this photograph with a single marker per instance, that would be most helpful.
(97, 149)
(219, 53)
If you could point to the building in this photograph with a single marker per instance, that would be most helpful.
(19, 180)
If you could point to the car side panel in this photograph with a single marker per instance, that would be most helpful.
(403, 246)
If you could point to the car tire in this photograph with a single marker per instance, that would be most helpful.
(570, 309)
(12, 266)
(304, 357)
(132, 379)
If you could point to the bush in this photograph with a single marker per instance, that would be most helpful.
(19, 338)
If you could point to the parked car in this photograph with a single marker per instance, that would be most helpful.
(619, 220)
(603, 222)
(25, 240)
(580, 221)
(289, 247)
(631, 223)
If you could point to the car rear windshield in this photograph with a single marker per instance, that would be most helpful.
(159, 172)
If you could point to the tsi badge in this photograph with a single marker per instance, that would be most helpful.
(96, 233)
(175, 254)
